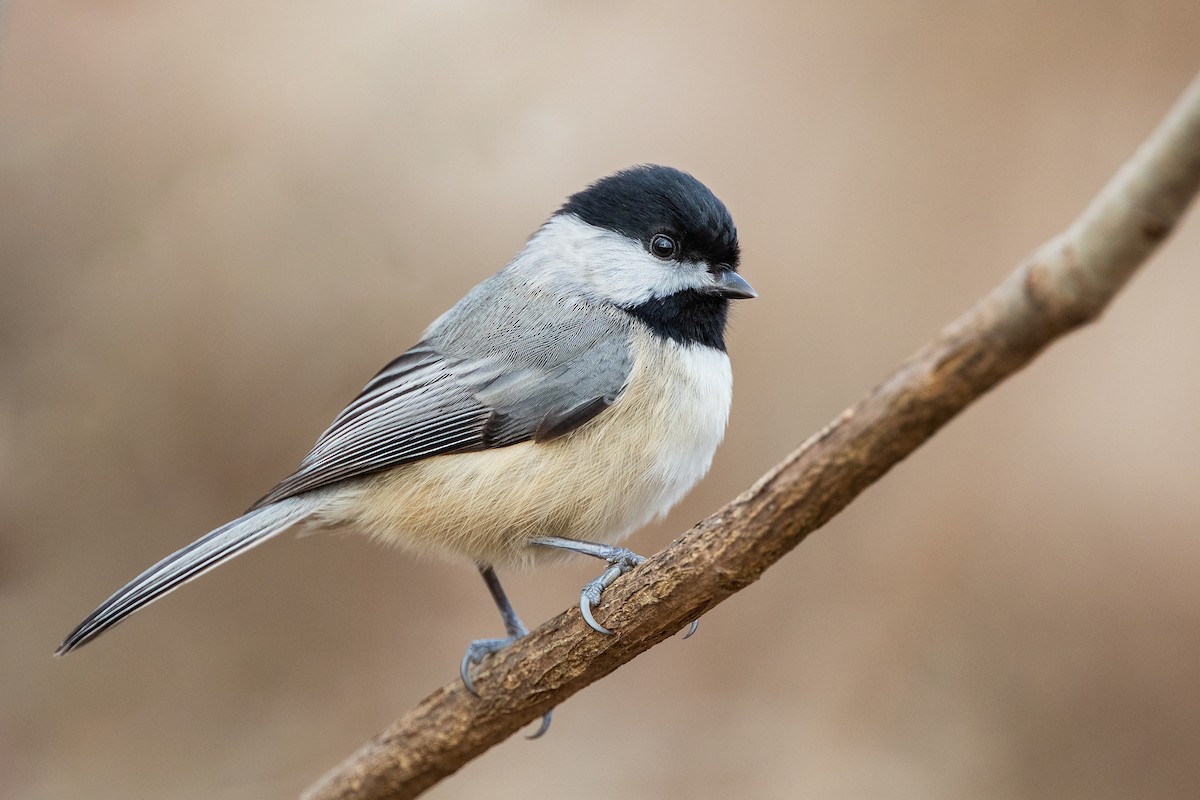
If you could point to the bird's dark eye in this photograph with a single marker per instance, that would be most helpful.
(663, 246)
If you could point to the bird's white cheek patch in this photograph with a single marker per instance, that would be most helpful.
(602, 265)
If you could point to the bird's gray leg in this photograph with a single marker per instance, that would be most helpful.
(479, 648)
(620, 561)
(482, 647)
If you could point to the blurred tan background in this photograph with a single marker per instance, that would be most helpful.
(217, 220)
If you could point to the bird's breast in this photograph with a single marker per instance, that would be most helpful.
(615, 473)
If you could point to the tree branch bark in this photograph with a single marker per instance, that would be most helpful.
(1065, 283)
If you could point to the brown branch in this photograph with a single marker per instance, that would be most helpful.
(1065, 283)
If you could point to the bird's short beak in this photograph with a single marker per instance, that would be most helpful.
(732, 285)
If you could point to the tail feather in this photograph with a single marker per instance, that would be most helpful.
(214, 548)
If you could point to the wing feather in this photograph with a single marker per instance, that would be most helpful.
(489, 373)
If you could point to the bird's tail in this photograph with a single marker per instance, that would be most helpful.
(215, 547)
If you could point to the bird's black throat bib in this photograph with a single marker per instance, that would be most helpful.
(687, 317)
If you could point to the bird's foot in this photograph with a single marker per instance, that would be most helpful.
(620, 560)
(590, 596)
(476, 651)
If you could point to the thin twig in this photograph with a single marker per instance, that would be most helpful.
(1065, 283)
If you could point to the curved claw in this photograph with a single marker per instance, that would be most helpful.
(545, 726)
(464, 672)
(695, 624)
(585, 610)
(476, 650)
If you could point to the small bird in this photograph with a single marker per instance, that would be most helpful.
(565, 401)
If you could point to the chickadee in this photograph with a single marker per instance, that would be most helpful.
(568, 399)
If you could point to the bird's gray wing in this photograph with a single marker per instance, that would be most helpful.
(498, 369)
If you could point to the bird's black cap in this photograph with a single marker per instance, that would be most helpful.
(642, 201)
